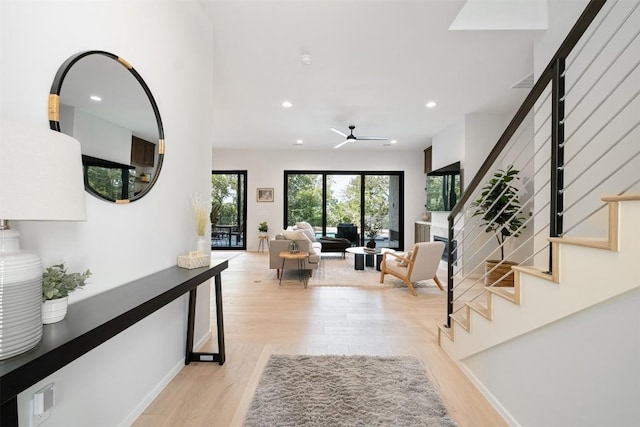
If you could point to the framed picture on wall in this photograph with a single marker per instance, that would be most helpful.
(264, 194)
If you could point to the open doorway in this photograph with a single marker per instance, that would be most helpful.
(228, 210)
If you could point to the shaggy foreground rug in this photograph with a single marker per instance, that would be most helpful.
(345, 391)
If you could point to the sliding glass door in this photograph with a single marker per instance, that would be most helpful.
(228, 209)
(359, 206)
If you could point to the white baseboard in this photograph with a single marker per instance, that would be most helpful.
(493, 401)
(155, 391)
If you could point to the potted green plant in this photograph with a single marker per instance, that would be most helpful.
(500, 211)
(263, 228)
(56, 285)
(371, 230)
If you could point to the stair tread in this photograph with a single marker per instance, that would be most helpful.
(620, 197)
(461, 320)
(480, 309)
(506, 293)
(446, 331)
(537, 272)
(597, 243)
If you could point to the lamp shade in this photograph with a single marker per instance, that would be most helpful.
(40, 179)
(40, 174)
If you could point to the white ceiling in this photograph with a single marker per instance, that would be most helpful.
(375, 64)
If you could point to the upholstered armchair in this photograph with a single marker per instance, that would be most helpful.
(420, 263)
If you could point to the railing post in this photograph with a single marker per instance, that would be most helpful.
(557, 152)
(450, 273)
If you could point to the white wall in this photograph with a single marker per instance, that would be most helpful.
(448, 147)
(169, 45)
(574, 372)
(265, 169)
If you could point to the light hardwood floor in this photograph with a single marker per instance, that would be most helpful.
(261, 319)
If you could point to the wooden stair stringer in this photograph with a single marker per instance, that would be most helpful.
(548, 298)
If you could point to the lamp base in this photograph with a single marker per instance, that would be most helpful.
(20, 297)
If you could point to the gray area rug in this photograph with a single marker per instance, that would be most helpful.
(337, 272)
(345, 391)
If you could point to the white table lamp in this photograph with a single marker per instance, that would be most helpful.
(40, 179)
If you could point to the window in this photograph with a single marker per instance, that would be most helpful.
(354, 205)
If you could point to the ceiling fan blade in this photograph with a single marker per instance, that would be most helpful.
(342, 134)
(371, 138)
(342, 143)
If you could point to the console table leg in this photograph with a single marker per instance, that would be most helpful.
(219, 318)
(9, 413)
(192, 356)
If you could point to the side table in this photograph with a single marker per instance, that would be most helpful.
(303, 275)
(263, 238)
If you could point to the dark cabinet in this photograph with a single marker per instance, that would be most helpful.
(422, 232)
(427, 160)
(143, 152)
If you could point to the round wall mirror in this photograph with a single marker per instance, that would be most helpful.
(102, 101)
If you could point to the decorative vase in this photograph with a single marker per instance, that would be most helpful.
(371, 244)
(498, 272)
(203, 246)
(54, 310)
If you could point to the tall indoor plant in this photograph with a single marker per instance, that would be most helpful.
(500, 211)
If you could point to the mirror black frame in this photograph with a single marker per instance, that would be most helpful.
(54, 114)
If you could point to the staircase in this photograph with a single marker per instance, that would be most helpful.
(586, 272)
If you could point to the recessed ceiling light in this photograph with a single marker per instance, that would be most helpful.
(95, 98)
(286, 104)
(306, 59)
(299, 141)
(431, 104)
(393, 141)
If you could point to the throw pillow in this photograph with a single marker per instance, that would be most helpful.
(294, 235)
(303, 225)
(404, 261)
(311, 235)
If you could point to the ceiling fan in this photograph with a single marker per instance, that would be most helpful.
(351, 137)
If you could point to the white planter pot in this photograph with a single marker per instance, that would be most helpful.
(54, 310)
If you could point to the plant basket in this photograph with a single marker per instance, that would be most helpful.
(494, 276)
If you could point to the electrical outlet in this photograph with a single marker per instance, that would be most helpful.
(41, 404)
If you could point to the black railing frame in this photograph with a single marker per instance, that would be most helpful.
(557, 154)
(554, 72)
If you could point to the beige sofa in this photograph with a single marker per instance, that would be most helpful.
(281, 242)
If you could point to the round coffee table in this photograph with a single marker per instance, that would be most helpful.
(363, 256)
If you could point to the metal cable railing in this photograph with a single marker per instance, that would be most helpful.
(573, 140)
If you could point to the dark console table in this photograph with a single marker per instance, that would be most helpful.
(93, 321)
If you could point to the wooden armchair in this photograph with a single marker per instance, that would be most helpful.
(420, 263)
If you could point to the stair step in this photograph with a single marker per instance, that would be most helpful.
(621, 197)
(600, 243)
(480, 309)
(443, 330)
(538, 272)
(507, 293)
(460, 319)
